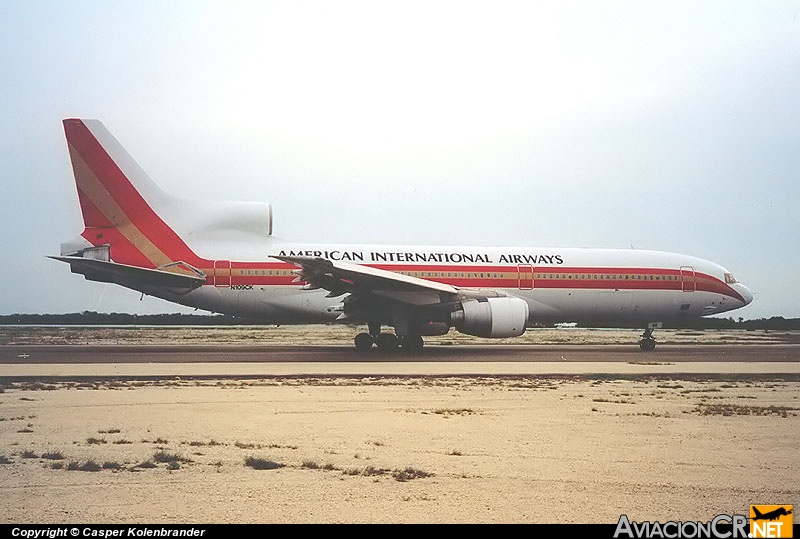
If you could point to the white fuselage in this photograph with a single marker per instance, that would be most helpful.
(590, 286)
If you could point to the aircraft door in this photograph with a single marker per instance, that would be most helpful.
(222, 273)
(688, 279)
(525, 276)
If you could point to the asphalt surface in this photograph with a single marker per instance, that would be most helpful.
(81, 354)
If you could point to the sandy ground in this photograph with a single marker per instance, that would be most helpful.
(550, 448)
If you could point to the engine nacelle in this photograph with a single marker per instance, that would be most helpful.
(491, 317)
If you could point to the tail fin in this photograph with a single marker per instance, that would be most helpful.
(119, 201)
(758, 513)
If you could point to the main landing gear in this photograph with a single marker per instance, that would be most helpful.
(647, 343)
(387, 342)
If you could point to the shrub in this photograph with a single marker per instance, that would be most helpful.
(261, 464)
(90, 466)
(164, 456)
(409, 473)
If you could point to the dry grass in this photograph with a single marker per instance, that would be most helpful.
(88, 466)
(167, 457)
(261, 463)
(738, 409)
(407, 474)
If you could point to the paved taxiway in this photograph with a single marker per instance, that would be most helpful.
(239, 360)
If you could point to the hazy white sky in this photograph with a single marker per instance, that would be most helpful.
(662, 125)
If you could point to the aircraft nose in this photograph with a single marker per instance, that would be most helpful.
(745, 292)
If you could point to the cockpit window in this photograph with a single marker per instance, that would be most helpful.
(730, 279)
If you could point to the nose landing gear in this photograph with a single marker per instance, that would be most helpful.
(647, 342)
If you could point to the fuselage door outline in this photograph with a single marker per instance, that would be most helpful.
(688, 279)
(222, 273)
(525, 277)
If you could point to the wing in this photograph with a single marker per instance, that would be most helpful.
(342, 278)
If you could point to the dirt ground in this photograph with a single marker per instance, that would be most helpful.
(543, 449)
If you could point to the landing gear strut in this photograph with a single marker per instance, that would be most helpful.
(647, 343)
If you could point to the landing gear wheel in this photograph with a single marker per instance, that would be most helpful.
(386, 342)
(648, 345)
(412, 343)
(364, 342)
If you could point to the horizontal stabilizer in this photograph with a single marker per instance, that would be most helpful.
(133, 276)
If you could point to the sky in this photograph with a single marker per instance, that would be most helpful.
(672, 126)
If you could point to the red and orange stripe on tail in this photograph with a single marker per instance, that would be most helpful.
(119, 202)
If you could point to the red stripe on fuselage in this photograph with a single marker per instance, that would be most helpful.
(508, 277)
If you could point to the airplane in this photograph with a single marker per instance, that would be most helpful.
(772, 515)
(221, 256)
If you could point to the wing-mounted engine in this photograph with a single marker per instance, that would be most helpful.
(491, 317)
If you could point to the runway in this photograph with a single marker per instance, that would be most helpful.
(143, 361)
